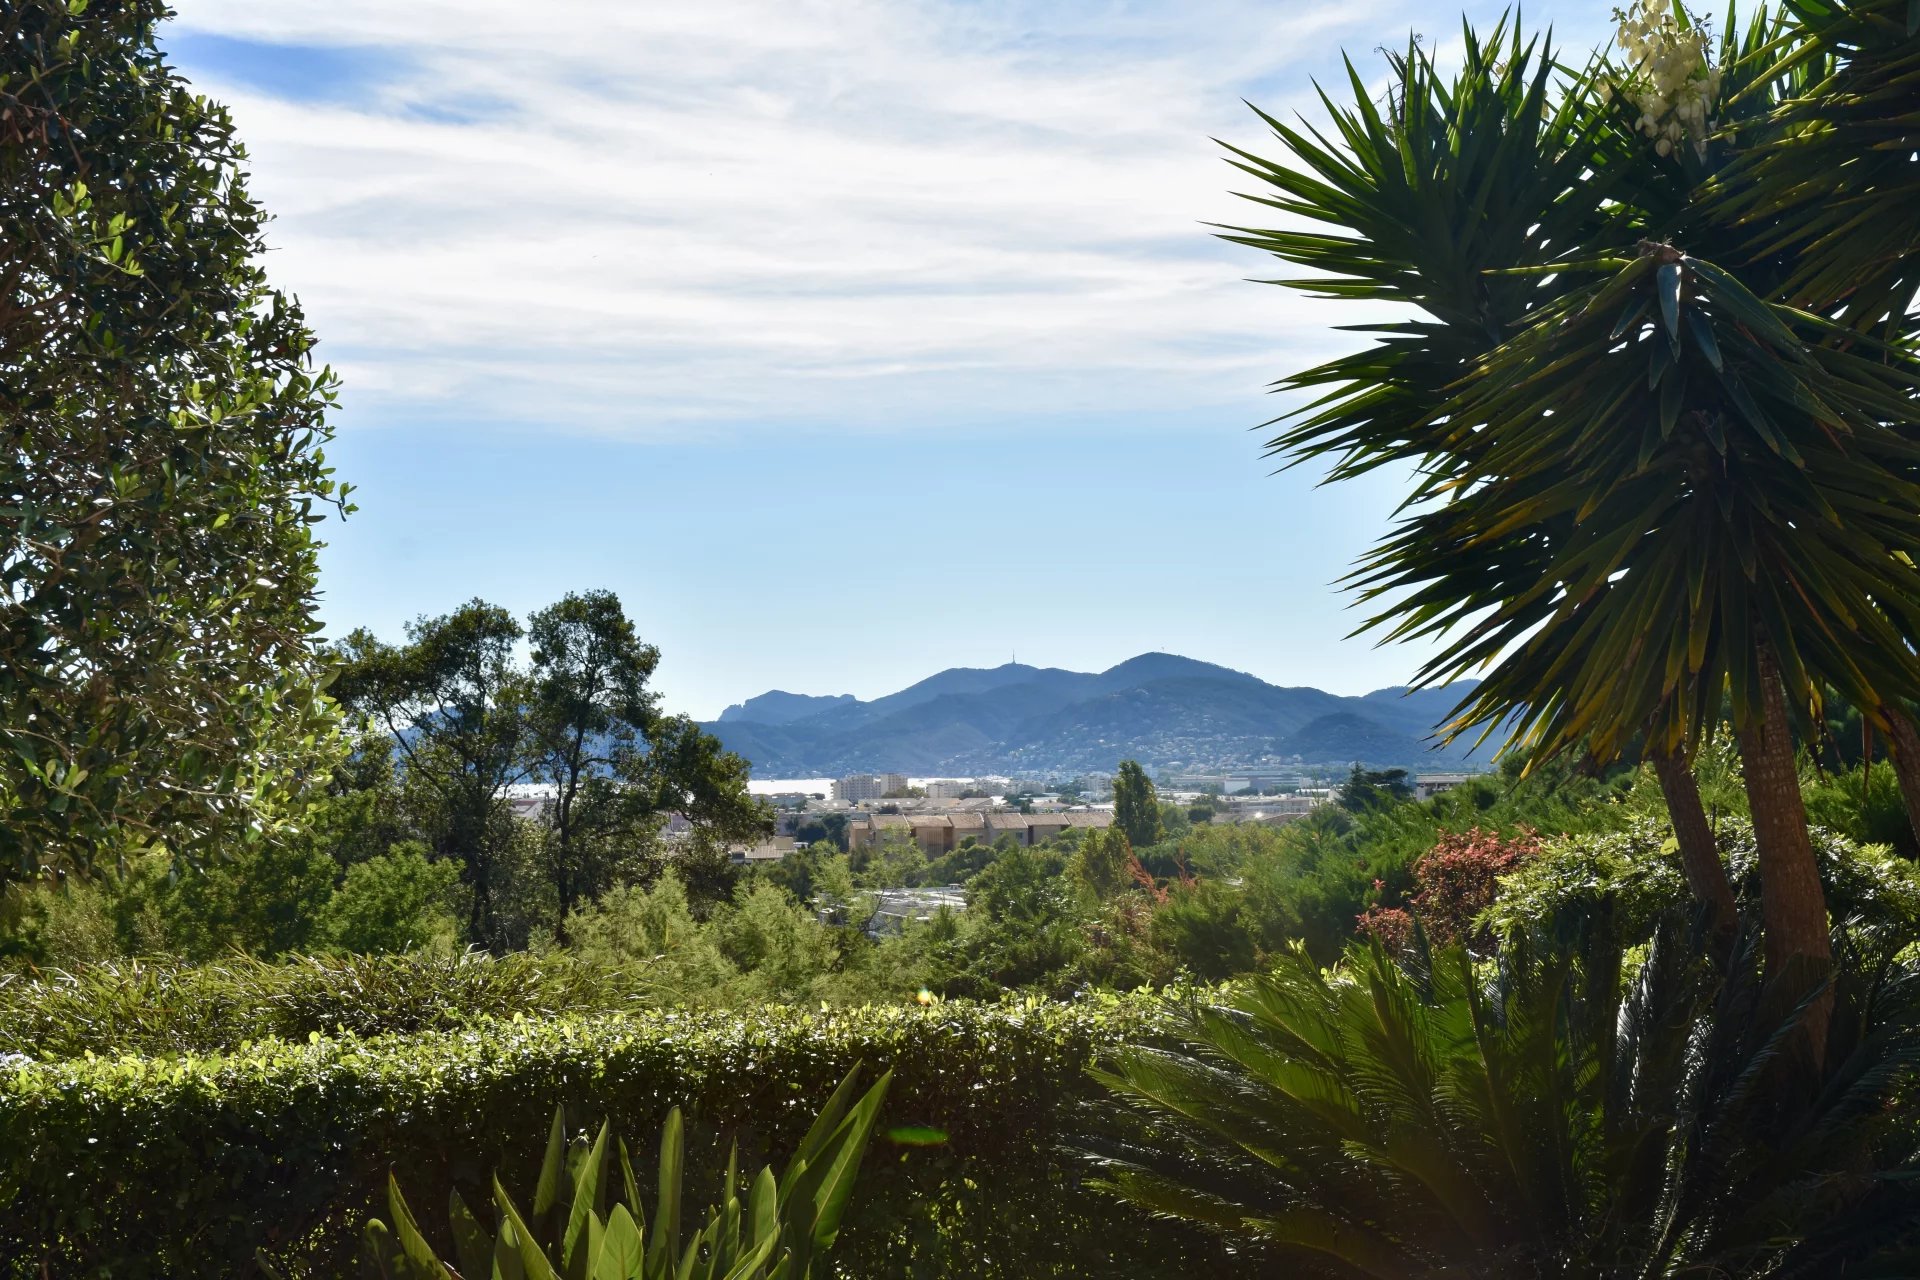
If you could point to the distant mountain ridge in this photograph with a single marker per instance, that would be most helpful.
(1159, 708)
(780, 707)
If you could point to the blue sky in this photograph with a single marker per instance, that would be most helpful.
(846, 341)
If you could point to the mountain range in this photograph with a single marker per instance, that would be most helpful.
(1159, 708)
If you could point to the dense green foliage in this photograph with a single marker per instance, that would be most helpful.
(162, 1010)
(161, 462)
(584, 1222)
(168, 1165)
(1083, 910)
(466, 720)
(1569, 1111)
(1657, 394)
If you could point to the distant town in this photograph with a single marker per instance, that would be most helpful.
(939, 814)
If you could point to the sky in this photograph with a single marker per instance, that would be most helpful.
(846, 341)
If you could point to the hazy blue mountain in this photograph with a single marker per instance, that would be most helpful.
(1349, 735)
(1160, 708)
(953, 682)
(780, 707)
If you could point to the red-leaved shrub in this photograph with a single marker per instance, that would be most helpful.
(1457, 880)
(1459, 876)
(1391, 925)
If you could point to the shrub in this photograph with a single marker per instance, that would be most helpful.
(132, 1007)
(781, 951)
(1460, 875)
(582, 1222)
(397, 901)
(656, 926)
(1558, 1114)
(1864, 804)
(1200, 925)
(1392, 926)
(148, 1167)
(1631, 876)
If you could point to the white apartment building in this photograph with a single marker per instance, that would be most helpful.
(856, 787)
(947, 789)
(1428, 785)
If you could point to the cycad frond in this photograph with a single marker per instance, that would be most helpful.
(1504, 1131)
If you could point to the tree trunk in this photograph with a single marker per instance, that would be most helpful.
(1699, 857)
(1905, 742)
(1793, 906)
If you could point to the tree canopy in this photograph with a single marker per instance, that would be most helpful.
(468, 720)
(161, 460)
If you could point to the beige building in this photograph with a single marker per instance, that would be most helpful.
(940, 834)
(772, 849)
(856, 787)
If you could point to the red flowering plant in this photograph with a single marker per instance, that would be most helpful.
(1457, 879)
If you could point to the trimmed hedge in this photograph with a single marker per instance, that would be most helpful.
(143, 1007)
(148, 1167)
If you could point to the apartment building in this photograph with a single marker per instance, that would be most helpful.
(940, 834)
(1428, 785)
(856, 787)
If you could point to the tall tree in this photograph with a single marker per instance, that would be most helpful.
(468, 721)
(1647, 480)
(454, 702)
(685, 770)
(1136, 806)
(161, 459)
(589, 712)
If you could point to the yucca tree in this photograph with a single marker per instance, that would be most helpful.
(1836, 183)
(1438, 200)
(1561, 1114)
(1648, 484)
(1834, 187)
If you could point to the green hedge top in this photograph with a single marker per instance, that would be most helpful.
(142, 1166)
(159, 1008)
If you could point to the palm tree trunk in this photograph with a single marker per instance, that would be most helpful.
(1905, 741)
(1793, 907)
(1699, 857)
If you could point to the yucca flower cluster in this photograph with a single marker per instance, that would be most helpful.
(1670, 78)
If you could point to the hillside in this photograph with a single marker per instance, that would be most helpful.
(780, 707)
(1159, 708)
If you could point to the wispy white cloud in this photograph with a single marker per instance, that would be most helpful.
(643, 217)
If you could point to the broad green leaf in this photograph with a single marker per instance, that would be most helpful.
(621, 1248)
(665, 1245)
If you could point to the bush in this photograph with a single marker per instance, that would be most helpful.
(1458, 879)
(586, 1222)
(1631, 876)
(1200, 925)
(655, 926)
(148, 1167)
(397, 901)
(1559, 1113)
(133, 1007)
(1863, 804)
